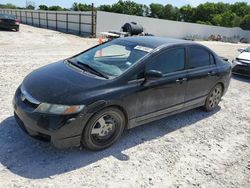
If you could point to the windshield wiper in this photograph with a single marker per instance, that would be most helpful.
(88, 68)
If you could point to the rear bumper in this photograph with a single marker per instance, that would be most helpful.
(4, 26)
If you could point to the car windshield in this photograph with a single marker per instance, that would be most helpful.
(247, 49)
(112, 58)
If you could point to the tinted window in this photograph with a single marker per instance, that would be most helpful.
(198, 57)
(169, 61)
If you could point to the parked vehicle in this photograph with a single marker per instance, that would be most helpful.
(241, 65)
(8, 21)
(92, 97)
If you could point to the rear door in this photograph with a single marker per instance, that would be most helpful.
(202, 73)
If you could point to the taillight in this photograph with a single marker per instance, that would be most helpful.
(17, 22)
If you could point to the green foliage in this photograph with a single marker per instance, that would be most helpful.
(56, 8)
(81, 7)
(187, 13)
(245, 23)
(126, 7)
(43, 7)
(156, 10)
(8, 6)
(240, 8)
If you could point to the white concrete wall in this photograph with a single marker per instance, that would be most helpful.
(112, 21)
(25, 16)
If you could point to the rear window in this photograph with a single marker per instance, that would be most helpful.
(7, 16)
(199, 57)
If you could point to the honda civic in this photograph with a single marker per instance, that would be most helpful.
(91, 98)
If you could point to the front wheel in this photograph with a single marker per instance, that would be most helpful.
(103, 129)
(213, 98)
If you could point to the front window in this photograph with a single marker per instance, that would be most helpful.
(112, 58)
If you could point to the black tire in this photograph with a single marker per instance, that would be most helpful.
(213, 98)
(103, 129)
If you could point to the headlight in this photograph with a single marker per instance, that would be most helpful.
(237, 62)
(59, 109)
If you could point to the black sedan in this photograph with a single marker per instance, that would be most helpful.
(91, 98)
(8, 21)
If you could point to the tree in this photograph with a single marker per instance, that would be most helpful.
(205, 11)
(43, 7)
(226, 19)
(240, 8)
(55, 8)
(170, 12)
(156, 10)
(236, 21)
(30, 7)
(81, 7)
(217, 20)
(187, 13)
(8, 6)
(245, 23)
(106, 8)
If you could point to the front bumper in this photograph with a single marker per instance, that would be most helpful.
(241, 68)
(63, 131)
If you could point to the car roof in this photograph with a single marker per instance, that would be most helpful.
(154, 42)
(10, 16)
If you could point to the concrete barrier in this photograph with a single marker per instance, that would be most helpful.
(112, 21)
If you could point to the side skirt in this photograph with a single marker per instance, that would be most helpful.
(166, 112)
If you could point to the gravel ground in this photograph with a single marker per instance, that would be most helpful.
(192, 149)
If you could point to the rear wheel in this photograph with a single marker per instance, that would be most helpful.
(213, 98)
(103, 129)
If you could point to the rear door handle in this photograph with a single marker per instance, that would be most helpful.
(211, 73)
(180, 80)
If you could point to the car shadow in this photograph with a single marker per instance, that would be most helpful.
(241, 78)
(34, 159)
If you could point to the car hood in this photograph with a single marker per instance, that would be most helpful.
(245, 56)
(58, 83)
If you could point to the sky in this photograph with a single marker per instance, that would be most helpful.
(68, 3)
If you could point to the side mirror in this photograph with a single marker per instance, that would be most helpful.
(152, 75)
(241, 50)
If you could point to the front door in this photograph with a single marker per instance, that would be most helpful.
(166, 94)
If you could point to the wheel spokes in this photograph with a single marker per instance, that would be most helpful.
(96, 131)
(102, 122)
